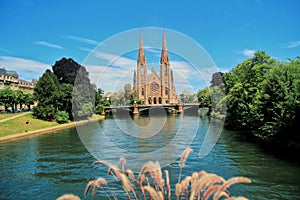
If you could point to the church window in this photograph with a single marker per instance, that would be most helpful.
(167, 90)
(159, 100)
(142, 70)
(154, 87)
(143, 91)
(149, 100)
(166, 70)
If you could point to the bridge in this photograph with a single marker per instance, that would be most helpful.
(188, 108)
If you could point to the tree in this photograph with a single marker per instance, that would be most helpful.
(281, 102)
(68, 71)
(204, 97)
(217, 79)
(98, 96)
(8, 98)
(20, 98)
(64, 97)
(29, 100)
(127, 93)
(243, 87)
(46, 94)
(74, 77)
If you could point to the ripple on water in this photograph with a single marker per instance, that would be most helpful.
(47, 166)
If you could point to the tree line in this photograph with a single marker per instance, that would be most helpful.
(260, 96)
(12, 98)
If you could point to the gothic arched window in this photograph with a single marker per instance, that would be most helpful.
(166, 70)
(142, 70)
(143, 91)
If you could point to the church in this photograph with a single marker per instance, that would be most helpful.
(154, 88)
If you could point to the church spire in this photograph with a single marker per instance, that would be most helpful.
(164, 58)
(152, 65)
(164, 44)
(141, 56)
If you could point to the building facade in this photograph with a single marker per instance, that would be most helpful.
(11, 79)
(154, 88)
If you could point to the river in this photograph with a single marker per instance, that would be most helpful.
(49, 165)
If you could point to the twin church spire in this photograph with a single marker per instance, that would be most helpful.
(164, 59)
(154, 88)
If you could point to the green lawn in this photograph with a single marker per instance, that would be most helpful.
(7, 115)
(18, 125)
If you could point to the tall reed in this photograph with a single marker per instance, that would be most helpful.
(151, 184)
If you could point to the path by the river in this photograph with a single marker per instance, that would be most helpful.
(13, 117)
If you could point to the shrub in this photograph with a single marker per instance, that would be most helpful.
(62, 117)
(99, 109)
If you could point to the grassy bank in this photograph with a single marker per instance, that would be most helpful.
(18, 125)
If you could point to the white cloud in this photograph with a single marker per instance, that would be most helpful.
(119, 70)
(116, 60)
(85, 49)
(47, 44)
(26, 68)
(293, 44)
(82, 39)
(247, 52)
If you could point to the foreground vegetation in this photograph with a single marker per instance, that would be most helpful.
(152, 184)
(260, 96)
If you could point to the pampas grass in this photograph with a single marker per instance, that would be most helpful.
(183, 159)
(151, 183)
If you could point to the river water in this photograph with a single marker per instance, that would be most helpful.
(49, 165)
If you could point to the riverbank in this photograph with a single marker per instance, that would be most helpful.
(52, 126)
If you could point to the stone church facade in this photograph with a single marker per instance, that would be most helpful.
(154, 88)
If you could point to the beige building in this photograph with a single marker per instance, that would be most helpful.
(11, 79)
(154, 88)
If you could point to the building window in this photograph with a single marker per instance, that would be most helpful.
(149, 100)
(142, 70)
(159, 100)
(166, 91)
(143, 91)
(154, 87)
(166, 70)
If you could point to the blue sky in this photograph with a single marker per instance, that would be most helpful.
(35, 34)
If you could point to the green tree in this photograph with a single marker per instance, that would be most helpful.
(82, 101)
(281, 102)
(8, 98)
(46, 94)
(127, 93)
(204, 97)
(243, 85)
(29, 100)
(64, 97)
(98, 96)
(20, 98)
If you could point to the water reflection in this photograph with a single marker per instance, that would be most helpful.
(118, 139)
(47, 166)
